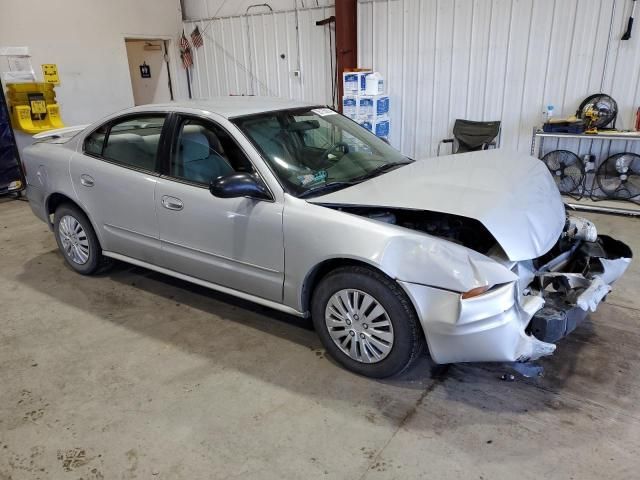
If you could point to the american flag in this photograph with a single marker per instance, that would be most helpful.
(185, 52)
(196, 38)
(184, 43)
(187, 59)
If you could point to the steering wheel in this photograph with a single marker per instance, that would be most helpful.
(335, 147)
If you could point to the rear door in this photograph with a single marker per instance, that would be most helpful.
(115, 175)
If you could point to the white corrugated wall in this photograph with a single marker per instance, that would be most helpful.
(497, 60)
(242, 55)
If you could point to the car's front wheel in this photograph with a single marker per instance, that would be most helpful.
(366, 322)
(77, 240)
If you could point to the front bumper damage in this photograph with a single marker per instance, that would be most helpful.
(520, 321)
(574, 284)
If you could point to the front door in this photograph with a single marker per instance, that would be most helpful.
(233, 242)
(115, 175)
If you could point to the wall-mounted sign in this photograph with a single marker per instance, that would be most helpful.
(145, 70)
(50, 73)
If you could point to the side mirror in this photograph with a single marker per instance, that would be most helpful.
(239, 185)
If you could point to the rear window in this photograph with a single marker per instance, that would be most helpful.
(95, 142)
(132, 142)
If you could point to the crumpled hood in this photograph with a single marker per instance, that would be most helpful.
(513, 195)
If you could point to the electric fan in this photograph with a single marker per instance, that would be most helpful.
(619, 176)
(597, 111)
(567, 169)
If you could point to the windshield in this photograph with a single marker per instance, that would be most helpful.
(313, 150)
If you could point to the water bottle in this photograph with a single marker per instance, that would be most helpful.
(549, 112)
(374, 84)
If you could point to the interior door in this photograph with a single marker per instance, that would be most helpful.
(233, 242)
(149, 71)
(115, 177)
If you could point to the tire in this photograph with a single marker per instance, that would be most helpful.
(85, 240)
(377, 357)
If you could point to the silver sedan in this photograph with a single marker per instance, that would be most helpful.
(297, 208)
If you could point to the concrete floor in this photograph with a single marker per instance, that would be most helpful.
(136, 375)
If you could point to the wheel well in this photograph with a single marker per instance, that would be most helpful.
(322, 270)
(57, 199)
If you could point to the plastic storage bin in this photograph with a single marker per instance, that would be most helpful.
(33, 107)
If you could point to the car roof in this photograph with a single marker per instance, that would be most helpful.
(231, 106)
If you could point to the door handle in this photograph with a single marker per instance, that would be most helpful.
(87, 180)
(172, 203)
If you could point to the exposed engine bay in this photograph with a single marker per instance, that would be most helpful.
(572, 278)
(464, 231)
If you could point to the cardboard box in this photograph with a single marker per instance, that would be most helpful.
(379, 126)
(350, 106)
(354, 83)
(373, 105)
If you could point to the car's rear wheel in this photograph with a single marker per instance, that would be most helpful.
(77, 240)
(366, 322)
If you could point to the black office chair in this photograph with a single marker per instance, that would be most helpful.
(470, 136)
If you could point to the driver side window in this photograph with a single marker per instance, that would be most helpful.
(204, 152)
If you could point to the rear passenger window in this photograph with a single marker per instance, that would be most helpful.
(134, 142)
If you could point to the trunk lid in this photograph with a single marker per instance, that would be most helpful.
(59, 135)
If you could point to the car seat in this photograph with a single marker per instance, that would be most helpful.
(131, 149)
(200, 163)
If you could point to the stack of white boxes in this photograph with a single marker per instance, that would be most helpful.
(369, 110)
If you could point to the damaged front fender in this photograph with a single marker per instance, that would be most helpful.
(436, 262)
